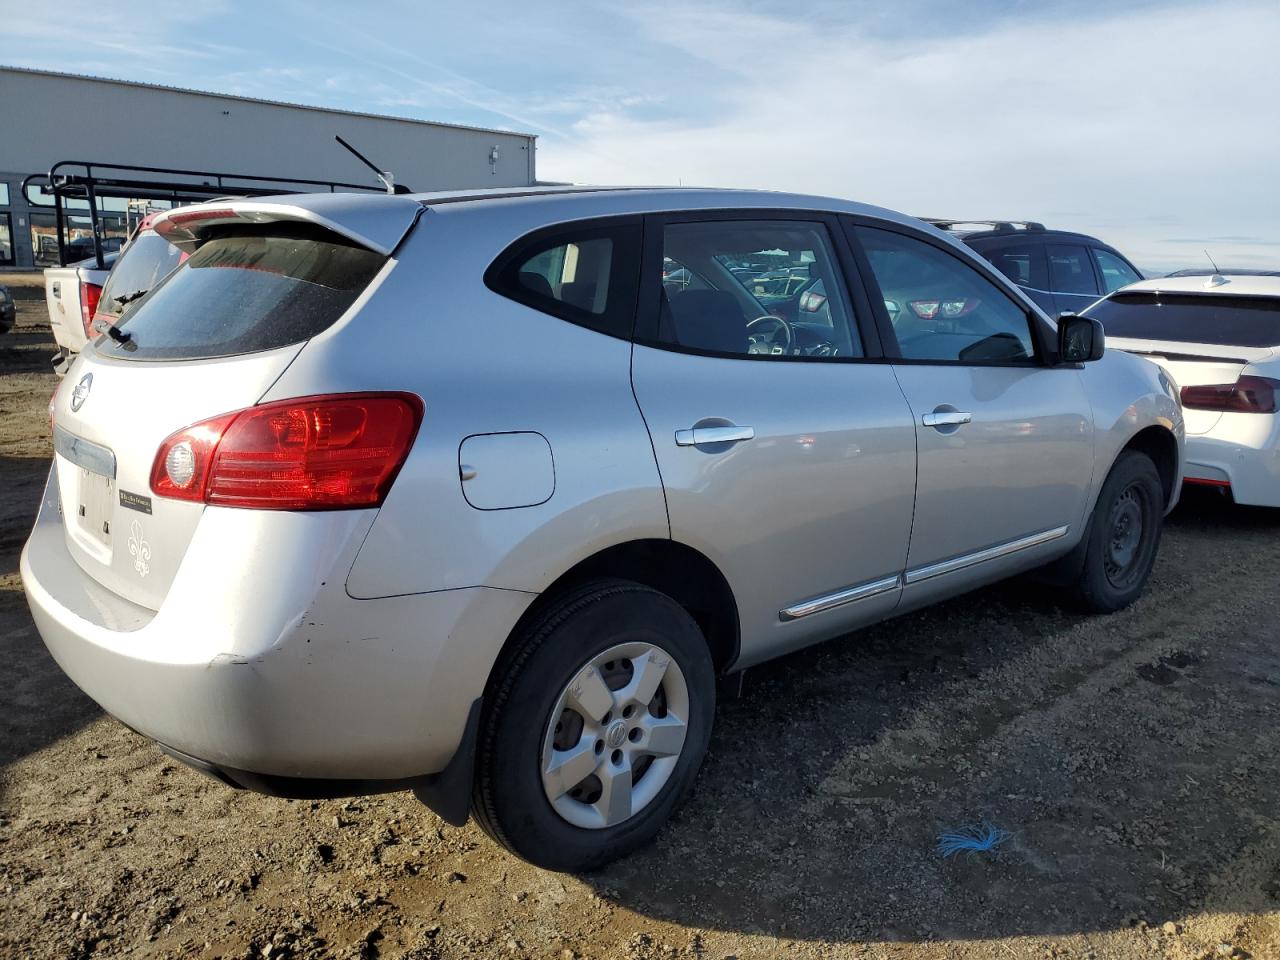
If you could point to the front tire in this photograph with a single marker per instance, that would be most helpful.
(594, 727)
(1123, 535)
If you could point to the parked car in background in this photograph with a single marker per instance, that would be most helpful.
(81, 248)
(1061, 271)
(632, 488)
(1229, 272)
(72, 294)
(133, 270)
(1219, 339)
(8, 309)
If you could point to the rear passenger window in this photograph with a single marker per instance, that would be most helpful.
(941, 308)
(587, 275)
(1024, 264)
(1070, 270)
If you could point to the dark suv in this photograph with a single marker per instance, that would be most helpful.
(1060, 271)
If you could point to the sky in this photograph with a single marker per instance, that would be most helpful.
(1152, 124)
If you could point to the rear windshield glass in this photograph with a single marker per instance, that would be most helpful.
(249, 290)
(1191, 318)
(144, 263)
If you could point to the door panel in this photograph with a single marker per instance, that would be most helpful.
(785, 460)
(1005, 443)
(817, 501)
(1020, 466)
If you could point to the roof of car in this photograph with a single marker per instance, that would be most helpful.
(657, 198)
(1217, 285)
(556, 203)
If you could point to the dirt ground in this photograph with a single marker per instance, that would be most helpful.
(1134, 761)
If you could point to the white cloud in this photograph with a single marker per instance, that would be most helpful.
(1141, 127)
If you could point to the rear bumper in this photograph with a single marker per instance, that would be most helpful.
(1242, 452)
(261, 665)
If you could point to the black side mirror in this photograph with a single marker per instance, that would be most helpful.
(1080, 339)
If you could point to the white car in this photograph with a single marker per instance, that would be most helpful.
(1218, 337)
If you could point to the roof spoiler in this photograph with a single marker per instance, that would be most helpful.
(378, 225)
(88, 181)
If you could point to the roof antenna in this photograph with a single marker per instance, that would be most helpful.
(1217, 279)
(385, 176)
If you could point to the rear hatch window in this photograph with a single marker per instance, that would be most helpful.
(246, 289)
(1191, 318)
(143, 264)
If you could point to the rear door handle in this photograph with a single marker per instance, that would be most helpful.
(946, 418)
(697, 436)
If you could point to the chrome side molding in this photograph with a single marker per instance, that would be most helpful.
(982, 556)
(84, 453)
(838, 599)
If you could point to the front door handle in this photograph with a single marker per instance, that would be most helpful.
(697, 436)
(946, 418)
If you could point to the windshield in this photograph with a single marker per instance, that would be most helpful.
(246, 290)
(1191, 318)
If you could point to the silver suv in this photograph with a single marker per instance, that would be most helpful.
(453, 493)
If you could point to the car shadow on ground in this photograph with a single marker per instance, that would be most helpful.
(1129, 759)
(38, 704)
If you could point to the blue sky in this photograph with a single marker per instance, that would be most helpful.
(1153, 124)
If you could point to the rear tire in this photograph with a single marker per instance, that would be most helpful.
(1123, 536)
(571, 701)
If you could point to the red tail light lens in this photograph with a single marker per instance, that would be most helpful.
(1246, 395)
(925, 309)
(812, 302)
(90, 294)
(313, 453)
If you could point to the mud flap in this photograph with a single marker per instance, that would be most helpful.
(448, 793)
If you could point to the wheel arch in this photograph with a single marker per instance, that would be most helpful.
(671, 567)
(1160, 445)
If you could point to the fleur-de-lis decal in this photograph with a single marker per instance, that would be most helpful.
(140, 550)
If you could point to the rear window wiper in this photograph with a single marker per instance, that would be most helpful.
(129, 297)
(122, 337)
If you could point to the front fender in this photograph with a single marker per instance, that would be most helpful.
(1129, 395)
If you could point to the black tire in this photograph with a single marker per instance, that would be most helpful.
(508, 799)
(1115, 572)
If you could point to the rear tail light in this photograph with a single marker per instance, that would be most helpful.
(90, 294)
(925, 309)
(312, 453)
(1246, 395)
(812, 302)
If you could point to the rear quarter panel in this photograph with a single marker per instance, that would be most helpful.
(484, 364)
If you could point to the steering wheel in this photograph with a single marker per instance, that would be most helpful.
(787, 332)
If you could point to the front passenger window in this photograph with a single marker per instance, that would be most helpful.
(941, 308)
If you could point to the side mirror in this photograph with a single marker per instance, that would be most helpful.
(1080, 339)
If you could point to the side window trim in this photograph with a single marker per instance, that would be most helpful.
(619, 318)
(1041, 336)
(649, 299)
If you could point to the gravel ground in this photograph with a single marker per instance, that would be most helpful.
(1133, 761)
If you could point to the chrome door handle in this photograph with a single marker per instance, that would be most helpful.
(946, 418)
(700, 435)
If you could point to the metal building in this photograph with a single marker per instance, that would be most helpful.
(47, 117)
